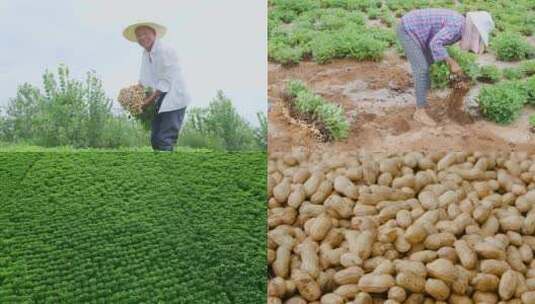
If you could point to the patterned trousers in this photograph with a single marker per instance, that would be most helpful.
(420, 61)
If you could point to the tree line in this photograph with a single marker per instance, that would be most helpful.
(77, 113)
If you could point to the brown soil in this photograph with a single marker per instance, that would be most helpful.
(379, 101)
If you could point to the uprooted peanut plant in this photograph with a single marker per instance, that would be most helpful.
(410, 228)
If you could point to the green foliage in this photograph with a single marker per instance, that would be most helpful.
(373, 13)
(347, 43)
(332, 116)
(386, 35)
(511, 46)
(361, 5)
(195, 133)
(68, 112)
(133, 227)
(365, 47)
(466, 60)
(300, 37)
(78, 114)
(514, 20)
(324, 47)
(145, 118)
(489, 73)
(294, 87)
(440, 73)
(532, 120)
(529, 86)
(502, 102)
(219, 126)
(388, 19)
(261, 132)
(284, 53)
(336, 18)
(295, 6)
(307, 102)
(335, 30)
(512, 73)
(399, 49)
(528, 67)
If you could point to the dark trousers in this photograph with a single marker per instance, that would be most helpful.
(166, 127)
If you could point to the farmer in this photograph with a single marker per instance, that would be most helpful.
(424, 35)
(160, 71)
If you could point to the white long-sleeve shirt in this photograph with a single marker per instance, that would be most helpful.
(161, 71)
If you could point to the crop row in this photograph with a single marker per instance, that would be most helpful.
(328, 117)
(132, 228)
(326, 29)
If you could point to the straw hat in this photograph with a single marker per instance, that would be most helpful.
(130, 32)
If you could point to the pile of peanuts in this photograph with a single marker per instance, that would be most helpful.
(131, 98)
(363, 228)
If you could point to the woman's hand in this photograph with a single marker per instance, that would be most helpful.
(454, 67)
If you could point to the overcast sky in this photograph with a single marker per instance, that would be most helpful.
(221, 44)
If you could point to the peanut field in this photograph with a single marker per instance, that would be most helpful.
(99, 227)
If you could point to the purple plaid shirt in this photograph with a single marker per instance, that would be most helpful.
(434, 28)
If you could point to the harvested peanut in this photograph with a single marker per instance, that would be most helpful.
(376, 283)
(368, 228)
(507, 285)
(437, 289)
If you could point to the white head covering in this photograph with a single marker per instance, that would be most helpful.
(483, 22)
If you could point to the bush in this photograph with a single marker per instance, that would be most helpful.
(532, 120)
(261, 132)
(361, 5)
(373, 13)
(295, 6)
(502, 102)
(529, 86)
(300, 36)
(348, 43)
(489, 73)
(388, 19)
(307, 102)
(382, 34)
(284, 53)
(333, 117)
(511, 46)
(512, 73)
(366, 47)
(294, 87)
(280, 15)
(194, 139)
(336, 18)
(119, 132)
(528, 68)
(330, 115)
(219, 127)
(324, 48)
(68, 113)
